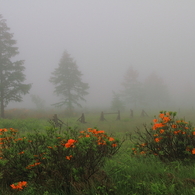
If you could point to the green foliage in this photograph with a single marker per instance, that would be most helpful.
(68, 83)
(51, 161)
(168, 138)
(11, 73)
(122, 174)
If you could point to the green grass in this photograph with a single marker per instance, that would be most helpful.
(148, 175)
(122, 174)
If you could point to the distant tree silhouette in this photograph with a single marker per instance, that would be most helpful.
(117, 103)
(68, 83)
(39, 103)
(156, 92)
(132, 88)
(11, 73)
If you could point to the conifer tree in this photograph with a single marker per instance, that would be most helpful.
(11, 73)
(68, 83)
(132, 88)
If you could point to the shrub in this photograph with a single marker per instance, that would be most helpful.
(53, 161)
(168, 138)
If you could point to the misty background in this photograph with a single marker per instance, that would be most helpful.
(105, 38)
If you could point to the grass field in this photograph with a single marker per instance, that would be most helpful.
(122, 173)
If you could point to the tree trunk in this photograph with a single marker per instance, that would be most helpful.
(1, 93)
(2, 109)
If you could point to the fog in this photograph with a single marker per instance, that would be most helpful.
(105, 37)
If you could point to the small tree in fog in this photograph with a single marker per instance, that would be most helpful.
(11, 73)
(68, 83)
(117, 103)
(156, 92)
(39, 103)
(132, 88)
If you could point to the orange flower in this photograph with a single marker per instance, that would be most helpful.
(102, 143)
(162, 131)
(87, 136)
(70, 143)
(193, 133)
(89, 129)
(161, 115)
(111, 139)
(82, 131)
(21, 152)
(94, 131)
(142, 152)
(35, 164)
(68, 157)
(20, 185)
(49, 147)
(157, 125)
(101, 131)
(114, 145)
(155, 120)
(174, 126)
(166, 119)
(3, 130)
(157, 139)
(193, 151)
(18, 139)
(155, 135)
(175, 132)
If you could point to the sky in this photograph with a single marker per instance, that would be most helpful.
(105, 38)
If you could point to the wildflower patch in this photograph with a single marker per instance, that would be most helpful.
(168, 138)
(50, 158)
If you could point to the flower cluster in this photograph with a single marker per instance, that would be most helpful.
(37, 154)
(168, 138)
(70, 143)
(102, 138)
(19, 186)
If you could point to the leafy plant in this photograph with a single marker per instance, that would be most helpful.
(51, 161)
(168, 138)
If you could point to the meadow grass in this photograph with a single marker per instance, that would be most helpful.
(123, 173)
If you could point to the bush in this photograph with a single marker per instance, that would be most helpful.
(168, 138)
(51, 161)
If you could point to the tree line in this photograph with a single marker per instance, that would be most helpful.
(67, 79)
(152, 92)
